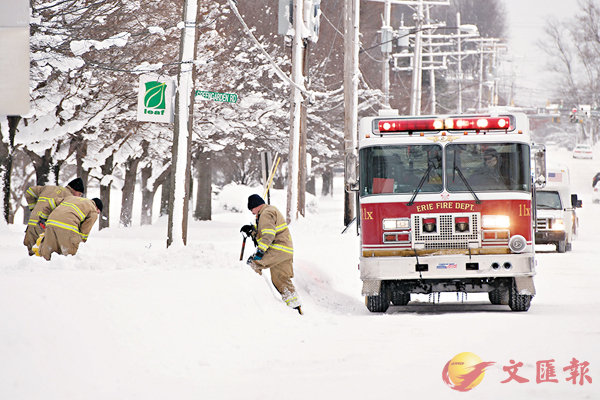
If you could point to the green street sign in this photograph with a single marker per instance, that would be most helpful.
(155, 99)
(215, 96)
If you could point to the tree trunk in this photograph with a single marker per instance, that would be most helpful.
(56, 170)
(6, 157)
(26, 215)
(148, 192)
(164, 196)
(107, 169)
(311, 185)
(128, 191)
(81, 153)
(147, 195)
(327, 186)
(204, 193)
(42, 165)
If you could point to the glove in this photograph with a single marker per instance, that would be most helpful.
(247, 229)
(254, 267)
(258, 255)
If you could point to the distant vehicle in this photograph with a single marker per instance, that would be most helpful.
(596, 193)
(556, 218)
(583, 151)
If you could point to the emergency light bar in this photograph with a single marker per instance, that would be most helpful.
(450, 124)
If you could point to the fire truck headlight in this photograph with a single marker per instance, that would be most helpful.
(517, 244)
(390, 224)
(495, 221)
(558, 224)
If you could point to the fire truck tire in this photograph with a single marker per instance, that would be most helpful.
(561, 246)
(498, 296)
(379, 303)
(516, 301)
(400, 299)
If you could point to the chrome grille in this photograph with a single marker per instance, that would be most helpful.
(445, 237)
(543, 223)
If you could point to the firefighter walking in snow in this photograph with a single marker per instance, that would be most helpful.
(274, 248)
(68, 225)
(42, 200)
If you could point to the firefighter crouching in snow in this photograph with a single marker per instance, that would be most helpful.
(274, 248)
(42, 200)
(68, 225)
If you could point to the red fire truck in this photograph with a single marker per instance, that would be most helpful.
(445, 206)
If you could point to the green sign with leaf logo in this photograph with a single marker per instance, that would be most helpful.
(154, 98)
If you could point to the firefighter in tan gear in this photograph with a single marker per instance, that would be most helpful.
(68, 225)
(42, 200)
(274, 248)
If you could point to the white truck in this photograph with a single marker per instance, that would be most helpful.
(556, 217)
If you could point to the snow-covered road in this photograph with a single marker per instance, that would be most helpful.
(127, 318)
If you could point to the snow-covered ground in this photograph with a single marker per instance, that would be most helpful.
(127, 318)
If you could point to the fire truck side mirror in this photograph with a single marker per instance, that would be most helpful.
(575, 202)
(351, 172)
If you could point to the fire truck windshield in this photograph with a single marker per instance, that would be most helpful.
(419, 168)
(399, 169)
(487, 166)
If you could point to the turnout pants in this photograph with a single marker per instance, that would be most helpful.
(281, 276)
(61, 241)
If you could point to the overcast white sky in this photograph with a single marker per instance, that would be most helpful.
(526, 20)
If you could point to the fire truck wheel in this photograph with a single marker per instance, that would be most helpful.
(400, 299)
(381, 302)
(377, 303)
(498, 296)
(561, 246)
(516, 301)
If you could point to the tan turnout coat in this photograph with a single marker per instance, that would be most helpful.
(41, 200)
(274, 238)
(68, 225)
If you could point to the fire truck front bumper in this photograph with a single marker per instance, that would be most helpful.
(450, 267)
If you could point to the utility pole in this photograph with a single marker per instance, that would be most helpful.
(433, 107)
(484, 48)
(351, 45)
(415, 97)
(295, 111)
(480, 88)
(417, 68)
(386, 49)
(181, 149)
(459, 63)
(303, 128)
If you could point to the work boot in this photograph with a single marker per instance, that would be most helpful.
(299, 310)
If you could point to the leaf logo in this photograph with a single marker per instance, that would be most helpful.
(154, 98)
